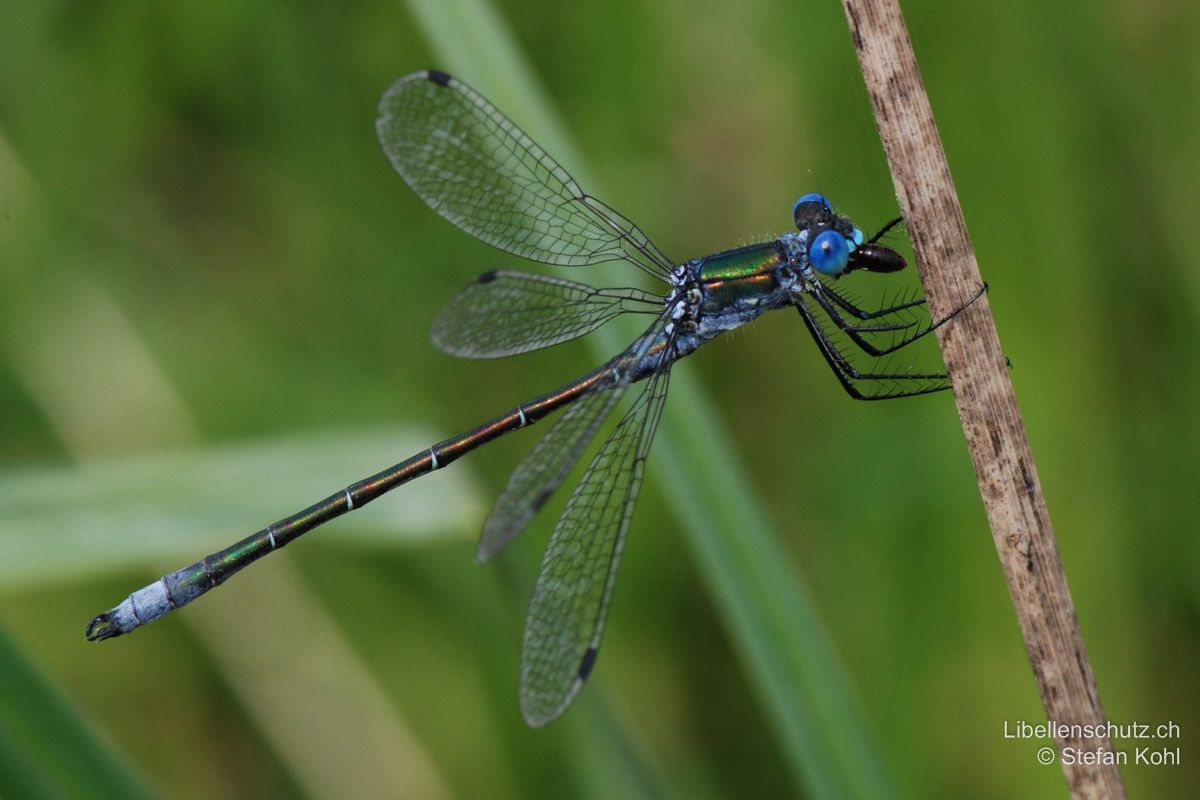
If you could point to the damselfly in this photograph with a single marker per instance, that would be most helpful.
(473, 166)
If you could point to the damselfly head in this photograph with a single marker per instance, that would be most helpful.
(812, 212)
(829, 239)
(834, 245)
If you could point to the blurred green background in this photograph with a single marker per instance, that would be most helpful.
(214, 303)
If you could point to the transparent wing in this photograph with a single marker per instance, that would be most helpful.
(543, 469)
(473, 166)
(574, 588)
(547, 464)
(503, 313)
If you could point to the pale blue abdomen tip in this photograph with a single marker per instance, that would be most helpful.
(145, 605)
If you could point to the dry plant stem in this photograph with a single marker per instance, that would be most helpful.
(1012, 495)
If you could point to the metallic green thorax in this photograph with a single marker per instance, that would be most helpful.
(732, 277)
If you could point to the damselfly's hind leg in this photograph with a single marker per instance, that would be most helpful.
(882, 380)
(902, 316)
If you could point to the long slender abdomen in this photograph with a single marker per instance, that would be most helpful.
(184, 585)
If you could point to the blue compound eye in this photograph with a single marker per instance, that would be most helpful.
(811, 197)
(812, 210)
(828, 253)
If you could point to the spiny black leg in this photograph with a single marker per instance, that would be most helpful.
(861, 313)
(849, 376)
(853, 331)
(883, 231)
(980, 292)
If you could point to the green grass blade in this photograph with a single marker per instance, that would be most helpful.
(785, 649)
(340, 692)
(149, 509)
(46, 749)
